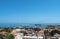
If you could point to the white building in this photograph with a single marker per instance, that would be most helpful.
(17, 34)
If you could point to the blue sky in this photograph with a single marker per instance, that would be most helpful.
(29, 11)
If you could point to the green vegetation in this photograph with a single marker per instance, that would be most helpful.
(9, 36)
(53, 32)
(47, 33)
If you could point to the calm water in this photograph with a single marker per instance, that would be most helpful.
(26, 25)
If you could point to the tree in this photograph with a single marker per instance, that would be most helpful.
(54, 31)
(47, 33)
(11, 36)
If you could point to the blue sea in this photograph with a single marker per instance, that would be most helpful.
(28, 25)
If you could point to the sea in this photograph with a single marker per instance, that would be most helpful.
(28, 25)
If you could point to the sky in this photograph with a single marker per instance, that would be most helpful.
(29, 11)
